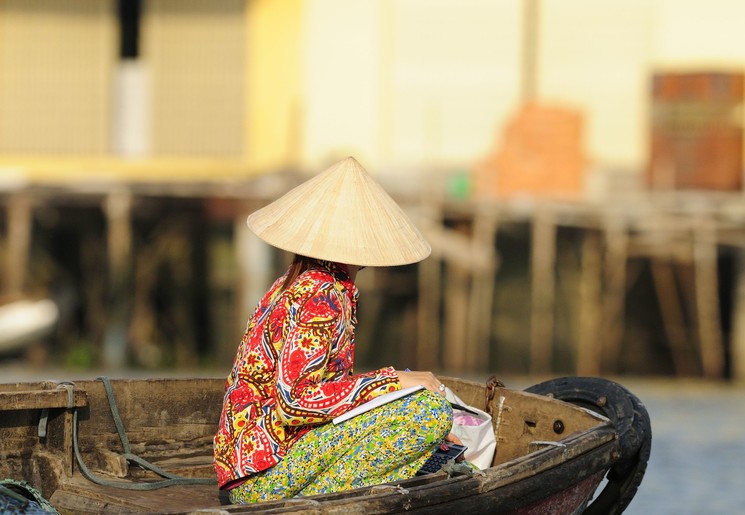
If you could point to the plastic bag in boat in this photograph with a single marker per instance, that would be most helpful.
(475, 431)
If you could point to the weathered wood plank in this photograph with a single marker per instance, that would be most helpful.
(39, 399)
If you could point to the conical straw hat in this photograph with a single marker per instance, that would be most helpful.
(341, 215)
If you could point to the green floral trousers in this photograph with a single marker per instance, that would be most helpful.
(389, 443)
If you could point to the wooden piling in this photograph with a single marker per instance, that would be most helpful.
(117, 208)
(429, 286)
(481, 298)
(456, 347)
(589, 339)
(707, 297)
(738, 312)
(614, 291)
(20, 225)
(543, 262)
(669, 298)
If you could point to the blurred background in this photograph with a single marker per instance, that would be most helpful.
(576, 165)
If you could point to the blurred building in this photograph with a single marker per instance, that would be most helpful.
(402, 84)
(156, 125)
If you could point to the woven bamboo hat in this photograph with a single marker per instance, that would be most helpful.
(341, 215)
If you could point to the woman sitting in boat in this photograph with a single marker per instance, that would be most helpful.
(293, 374)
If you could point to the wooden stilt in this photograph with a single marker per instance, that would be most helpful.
(614, 293)
(456, 346)
(20, 225)
(255, 275)
(707, 297)
(407, 354)
(543, 258)
(481, 300)
(464, 258)
(738, 320)
(428, 326)
(589, 340)
(117, 208)
(673, 318)
(255, 266)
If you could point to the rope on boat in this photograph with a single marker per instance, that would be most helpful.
(44, 418)
(171, 479)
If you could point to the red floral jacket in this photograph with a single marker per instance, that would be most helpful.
(292, 371)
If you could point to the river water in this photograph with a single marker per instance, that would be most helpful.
(697, 466)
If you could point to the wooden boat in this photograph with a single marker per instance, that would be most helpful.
(557, 443)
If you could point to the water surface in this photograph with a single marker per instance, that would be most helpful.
(697, 466)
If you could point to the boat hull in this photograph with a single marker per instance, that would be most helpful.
(551, 456)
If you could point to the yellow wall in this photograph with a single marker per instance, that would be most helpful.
(416, 82)
(274, 108)
(193, 57)
(407, 82)
(56, 66)
(595, 56)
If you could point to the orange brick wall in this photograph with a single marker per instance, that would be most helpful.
(540, 155)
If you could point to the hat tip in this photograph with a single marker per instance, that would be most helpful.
(349, 164)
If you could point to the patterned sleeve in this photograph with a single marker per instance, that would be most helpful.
(303, 397)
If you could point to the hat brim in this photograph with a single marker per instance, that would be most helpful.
(341, 215)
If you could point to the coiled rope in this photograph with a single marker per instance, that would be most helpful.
(170, 479)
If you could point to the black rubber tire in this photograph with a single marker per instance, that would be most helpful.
(632, 422)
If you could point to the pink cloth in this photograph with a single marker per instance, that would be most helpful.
(464, 419)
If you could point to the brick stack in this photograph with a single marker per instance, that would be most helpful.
(541, 155)
(696, 131)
